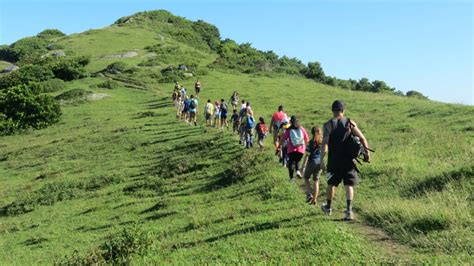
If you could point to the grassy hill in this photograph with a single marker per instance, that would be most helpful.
(122, 179)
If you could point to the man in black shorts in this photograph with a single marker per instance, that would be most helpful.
(340, 169)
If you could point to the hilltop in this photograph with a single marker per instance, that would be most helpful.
(121, 179)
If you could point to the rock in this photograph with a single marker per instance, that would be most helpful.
(188, 75)
(50, 46)
(96, 96)
(129, 54)
(10, 69)
(58, 53)
(183, 67)
(100, 75)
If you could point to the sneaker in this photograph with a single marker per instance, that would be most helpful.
(298, 174)
(309, 197)
(325, 209)
(349, 216)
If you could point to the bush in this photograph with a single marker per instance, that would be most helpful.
(416, 94)
(117, 67)
(50, 34)
(50, 85)
(22, 109)
(170, 74)
(29, 49)
(8, 54)
(108, 84)
(70, 69)
(74, 95)
(25, 75)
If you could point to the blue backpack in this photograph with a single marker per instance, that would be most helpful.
(250, 122)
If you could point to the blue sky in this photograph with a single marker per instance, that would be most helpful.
(411, 45)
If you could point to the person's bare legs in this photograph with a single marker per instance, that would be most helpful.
(316, 189)
(349, 197)
(330, 194)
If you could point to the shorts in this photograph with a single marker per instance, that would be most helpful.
(311, 170)
(198, 90)
(223, 115)
(185, 111)
(208, 116)
(349, 178)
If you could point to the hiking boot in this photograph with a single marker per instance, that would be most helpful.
(348, 216)
(309, 197)
(325, 209)
(298, 174)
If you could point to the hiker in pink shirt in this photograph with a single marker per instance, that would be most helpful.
(297, 140)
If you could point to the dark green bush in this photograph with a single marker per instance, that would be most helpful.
(116, 67)
(22, 109)
(171, 74)
(50, 34)
(29, 49)
(25, 75)
(8, 54)
(71, 68)
(416, 94)
(209, 33)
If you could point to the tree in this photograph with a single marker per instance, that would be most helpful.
(416, 94)
(364, 85)
(314, 71)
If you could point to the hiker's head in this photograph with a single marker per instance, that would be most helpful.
(243, 101)
(337, 108)
(235, 111)
(262, 120)
(208, 100)
(222, 100)
(317, 135)
(294, 122)
(280, 108)
(248, 103)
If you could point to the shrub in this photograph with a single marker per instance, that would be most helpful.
(117, 67)
(50, 85)
(29, 49)
(25, 75)
(74, 95)
(22, 109)
(416, 94)
(50, 34)
(108, 84)
(8, 54)
(170, 74)
(70, 69)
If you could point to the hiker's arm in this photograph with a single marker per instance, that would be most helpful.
(356, 131)
(271, 125)
(324, 146)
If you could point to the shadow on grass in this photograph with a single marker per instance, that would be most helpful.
(440, 182)
(158, 216)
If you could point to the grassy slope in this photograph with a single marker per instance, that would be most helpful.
(143, 172)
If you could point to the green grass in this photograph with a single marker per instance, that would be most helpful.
(187, 194)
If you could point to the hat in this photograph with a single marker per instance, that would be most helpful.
(337, 106)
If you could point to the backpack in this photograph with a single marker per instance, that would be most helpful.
(296, 137)
(351, 145)
(192, 104)
(242, 112)
(262, 129)
(250, 122)
(224, 107)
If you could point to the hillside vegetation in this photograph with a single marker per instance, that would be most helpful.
(120, 179)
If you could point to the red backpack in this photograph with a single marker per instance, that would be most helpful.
(262, 129)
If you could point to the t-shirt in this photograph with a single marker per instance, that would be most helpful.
(209, 109)
(186, 105)
(197, 85)
(278, 118)
(301, 149)
(314, 154)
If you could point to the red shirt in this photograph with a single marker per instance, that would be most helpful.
(278, 117)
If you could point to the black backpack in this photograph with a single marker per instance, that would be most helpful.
(352, 147)
(192, 105)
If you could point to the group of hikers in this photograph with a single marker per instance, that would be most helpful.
(303, 155)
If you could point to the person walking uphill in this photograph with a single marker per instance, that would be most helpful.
(193, 107)
(277, 120)
(297, 139)
(341, 167)
(197, 88)
(311, 164)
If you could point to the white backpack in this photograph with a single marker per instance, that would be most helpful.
(296, 137)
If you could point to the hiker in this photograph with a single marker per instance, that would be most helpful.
(234, 100)
(282, 147)
(193, 107)
(340, 166)
(223, 109)
(208, 112)
(262, 132)
(234, 119)
(248, 123)
(197, 87)
(177, 86)
(277, 119)
(311, 164)
(297, 139)
(242, 112)
(184, 113)
(248, 108)
(217, 114)
(183, 91)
